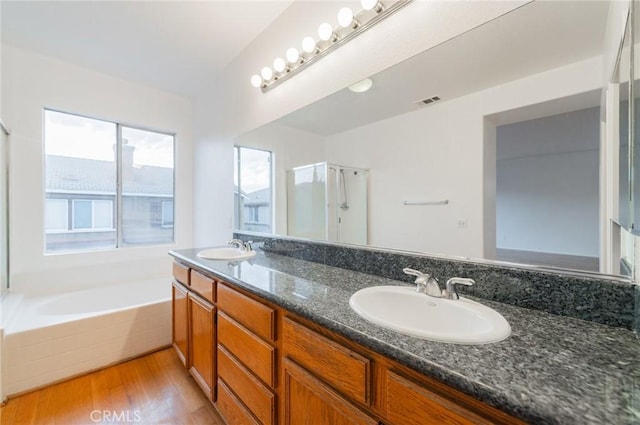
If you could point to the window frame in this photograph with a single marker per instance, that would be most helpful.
(117, 203)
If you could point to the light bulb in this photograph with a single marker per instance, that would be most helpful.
(308, 44)
(325, 32)
(369, 4)
(256, 81)
(279, 65)
(267, 73)
(293, 55)
(345, 17)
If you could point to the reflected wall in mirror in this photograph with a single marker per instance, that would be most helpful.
(504, 166)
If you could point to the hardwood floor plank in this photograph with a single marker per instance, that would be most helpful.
(154, 389)
(45, 412)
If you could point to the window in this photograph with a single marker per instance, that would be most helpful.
(253, 189)
(92, 214)
(105, 183)
(167, 214)
(57, 218)
(254, 214)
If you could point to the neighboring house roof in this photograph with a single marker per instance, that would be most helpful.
(259, 197)
(65, 173)
(243, 194)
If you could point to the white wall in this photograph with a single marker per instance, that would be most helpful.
(32, 82)
(291, 148)
(548, 197)
(439, 152)
(231, 106)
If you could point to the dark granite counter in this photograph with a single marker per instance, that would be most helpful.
(552, 369)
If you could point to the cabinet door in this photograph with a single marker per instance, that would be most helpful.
(180, 322)
(309, 401)
(201, 348)
(408, 403)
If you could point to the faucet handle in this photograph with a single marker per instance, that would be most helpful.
(236, 242)
(246, 246)
(451, 293)
(421, 278)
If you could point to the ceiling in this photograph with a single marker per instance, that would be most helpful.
(177, 46)
(538, 36)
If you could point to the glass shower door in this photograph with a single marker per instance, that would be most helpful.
(307, 202)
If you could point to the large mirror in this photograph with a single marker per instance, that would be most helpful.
(486, 146)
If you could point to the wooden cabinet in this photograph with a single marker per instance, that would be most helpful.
(180, 323)
(253, 315)
(308, 401)
(342, 368)
(193, 325)
(202, 285)
(262, 365)
(231, 408)
(258, 398)
(202, 343)
(247, 357)
(410, 401)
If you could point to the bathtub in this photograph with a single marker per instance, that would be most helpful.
(54, 337)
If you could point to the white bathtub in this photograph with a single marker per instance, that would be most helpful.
(53, 337)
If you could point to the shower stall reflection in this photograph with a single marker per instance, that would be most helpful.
(328, 202)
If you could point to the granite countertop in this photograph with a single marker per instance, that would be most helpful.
(552, 369)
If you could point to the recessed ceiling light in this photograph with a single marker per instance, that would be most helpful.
(361, 86)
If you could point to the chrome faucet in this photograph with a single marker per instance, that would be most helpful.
(241, 245)
(425, 283)
(451, 293)
(237, 243)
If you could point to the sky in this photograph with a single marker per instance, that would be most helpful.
(80, 137)
(256, 170)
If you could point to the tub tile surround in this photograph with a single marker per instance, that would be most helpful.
(613, 302)
(552, 369)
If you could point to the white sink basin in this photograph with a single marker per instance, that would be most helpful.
(404, 310)
(225, 253)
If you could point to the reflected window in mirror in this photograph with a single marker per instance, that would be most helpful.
(253, 189)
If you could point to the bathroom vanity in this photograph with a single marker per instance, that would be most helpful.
(273, 340)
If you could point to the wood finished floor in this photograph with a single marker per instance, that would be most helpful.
(154, 389)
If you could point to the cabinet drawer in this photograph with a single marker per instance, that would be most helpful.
(204, 286)
(408, 403)
(253, 315)
(181, 273)
(231, 408)
(343, 369)
(258, 398)
(254, 353)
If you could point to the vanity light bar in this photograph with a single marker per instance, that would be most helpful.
(350, 26)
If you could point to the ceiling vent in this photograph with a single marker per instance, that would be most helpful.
(429, 100)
